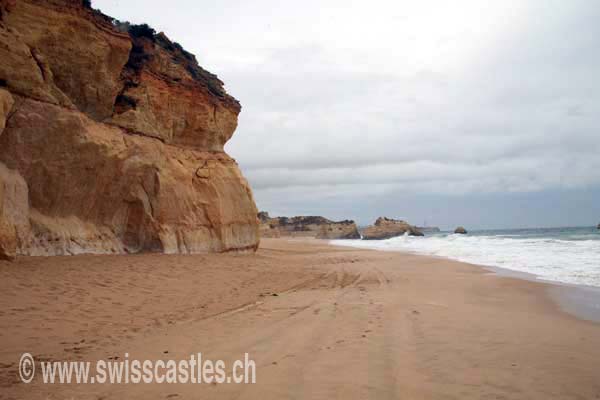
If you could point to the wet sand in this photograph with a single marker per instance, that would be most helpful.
(345, 323)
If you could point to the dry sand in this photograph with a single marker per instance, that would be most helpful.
(346, 324)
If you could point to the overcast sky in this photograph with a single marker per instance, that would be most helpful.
(477, 113)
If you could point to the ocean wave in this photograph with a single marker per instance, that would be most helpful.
(575, 261)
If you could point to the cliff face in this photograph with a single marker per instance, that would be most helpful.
(307, 226)
(385, 228)
(111, 142)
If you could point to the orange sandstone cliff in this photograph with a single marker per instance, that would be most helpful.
(385, 228)
(306, 226)
(112, 142)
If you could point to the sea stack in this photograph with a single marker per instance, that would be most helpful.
(385, 228)
(460, 230)
(111, 140)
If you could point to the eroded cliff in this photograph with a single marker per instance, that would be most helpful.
(111, 141)
(307, 226)
(385, 228)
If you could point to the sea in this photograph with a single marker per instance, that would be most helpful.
(567, 255)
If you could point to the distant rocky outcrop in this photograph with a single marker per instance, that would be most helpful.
(269, 227)
(346, 229)
(111, 140)
(307, 226)
(598, 227)
(460, 230)
(385, 228)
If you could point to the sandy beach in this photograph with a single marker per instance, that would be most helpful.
(320, 322)
(299, 200)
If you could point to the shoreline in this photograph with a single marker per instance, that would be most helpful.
(319, 320)
(579, 300)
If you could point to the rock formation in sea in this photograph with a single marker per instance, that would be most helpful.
(111, 140)
(307, 226)
(385, 228)
(460, 230)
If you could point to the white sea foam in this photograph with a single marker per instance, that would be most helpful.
(575, 261)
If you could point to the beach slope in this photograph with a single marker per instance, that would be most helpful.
(343, 323)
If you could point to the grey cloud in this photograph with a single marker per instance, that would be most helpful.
(356, 105)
